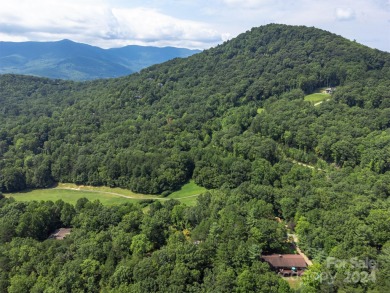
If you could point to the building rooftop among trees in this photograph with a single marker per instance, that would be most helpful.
(286, 264)
(60, 234)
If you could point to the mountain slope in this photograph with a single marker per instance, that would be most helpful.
(69, 60)
(213, 95)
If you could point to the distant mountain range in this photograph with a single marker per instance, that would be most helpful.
(75, 61)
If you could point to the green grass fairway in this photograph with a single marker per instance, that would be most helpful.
(188, 193)
(317, 97)
(108, 196)
(70, 196)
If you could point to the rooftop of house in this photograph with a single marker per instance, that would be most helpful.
(285, 260)
(60, 234)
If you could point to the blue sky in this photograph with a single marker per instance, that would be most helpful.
(187, 23)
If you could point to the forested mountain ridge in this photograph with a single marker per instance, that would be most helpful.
(76, 61)
(205, 100)
(234, 119)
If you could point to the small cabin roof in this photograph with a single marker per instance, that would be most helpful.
(285, 260)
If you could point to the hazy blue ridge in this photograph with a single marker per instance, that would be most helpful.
(75, 61)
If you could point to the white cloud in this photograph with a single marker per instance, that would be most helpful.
(149, 25)
(34, 17)
(186, 23)
(345, 14)
(106, 26)
(248, 3)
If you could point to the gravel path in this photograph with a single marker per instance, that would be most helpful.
(295, 243)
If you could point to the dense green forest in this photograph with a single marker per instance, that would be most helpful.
(234, 119)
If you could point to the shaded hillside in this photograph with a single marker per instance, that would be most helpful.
(199, 118)
(185, 106)
(75, 61)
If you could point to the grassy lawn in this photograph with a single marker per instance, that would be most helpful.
(294, 282)
(108, 196)
(259, 110)
(70, 196)
(188, 193)
(104, 189)
(317, 97)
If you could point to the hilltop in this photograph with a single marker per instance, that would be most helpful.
(76, 61)
(234, 119)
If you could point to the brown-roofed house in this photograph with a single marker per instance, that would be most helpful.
(60, 234)
(286, 264)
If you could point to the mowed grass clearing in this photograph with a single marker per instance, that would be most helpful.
(188, 193)
(260, 110)
(70, 196)
(317, 97)
(108, 196)
(71, 193)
